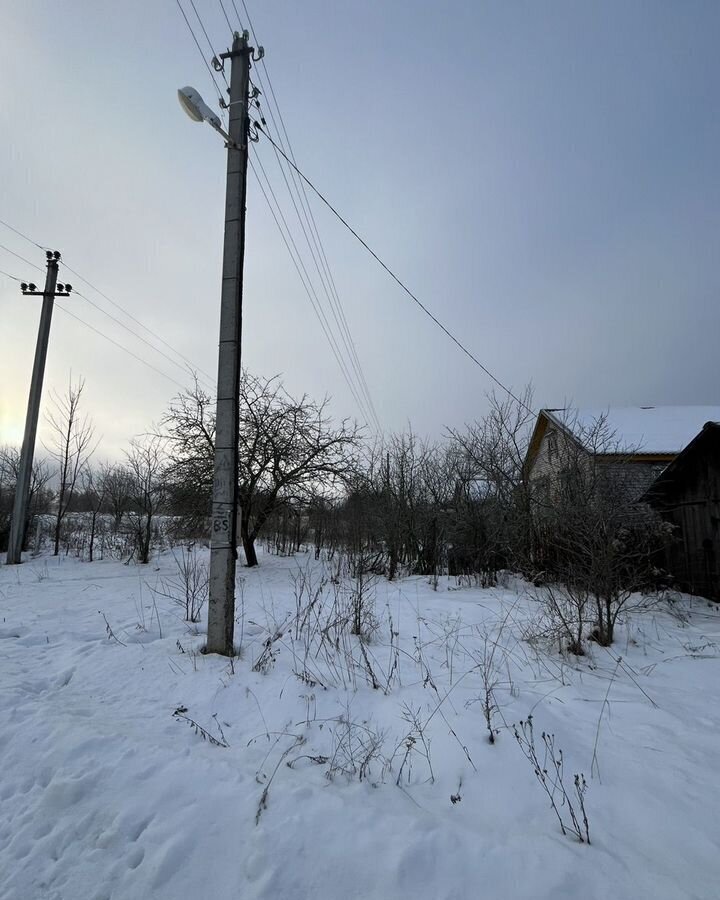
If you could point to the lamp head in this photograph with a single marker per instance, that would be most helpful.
(196, 108)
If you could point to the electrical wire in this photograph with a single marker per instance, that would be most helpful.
(207, 38)
(247, 13)
(307, 283)
(133, 333)
(137, 321)
(82, 321)
(202, 55)
(333, 300)
(394, 276)
(242, 27)
(26, 261)
(308, 286)
(336, 313)
(119, 345)
(312, 237)
(222, 7)
(97, 330)
(291, 162)
(24, 236)
(101, 333)
(331, 290)
(122, 309)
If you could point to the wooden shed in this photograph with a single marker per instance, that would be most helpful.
(687, 494)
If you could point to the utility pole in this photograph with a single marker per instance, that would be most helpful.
(223, 545)
(22, 487)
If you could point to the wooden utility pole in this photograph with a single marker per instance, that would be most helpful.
(22, 486)
(223, 545)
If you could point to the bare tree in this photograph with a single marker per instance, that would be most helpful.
(116, 483)
(146, 465)
(396, 505)
(70, 447)
(492, 489)
(289, 452)
(39, 496)
(189, 430)
(94, 483)
(400, 489)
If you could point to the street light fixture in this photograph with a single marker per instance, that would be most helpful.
(198, 110)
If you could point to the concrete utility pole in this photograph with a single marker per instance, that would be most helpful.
(223, 546)
(22, 487)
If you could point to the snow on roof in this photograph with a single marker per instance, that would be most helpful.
(643, 429)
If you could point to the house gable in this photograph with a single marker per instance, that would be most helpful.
(550, 440)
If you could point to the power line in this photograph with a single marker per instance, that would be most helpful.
(393, 275)
(26, 261)
(137, 321)
(202, 55)
(291, 162)
(207, 38)
(128, 329)
(87, 324)
(307, 284)
(309, 288)
(222, 7)
(250, 23)
(334, 301)
(334, 304)
(328, 284)
(323, 266)
(119, 345)
(242, 27)
(97, 290)
(305, 212)
(24, 236)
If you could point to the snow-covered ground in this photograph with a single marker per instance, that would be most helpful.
(104, 793)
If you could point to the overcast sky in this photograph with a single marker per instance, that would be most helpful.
(543, 175)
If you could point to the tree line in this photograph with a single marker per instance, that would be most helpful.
(393, 505)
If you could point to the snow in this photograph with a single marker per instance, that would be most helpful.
(651, 429)
(105, 794)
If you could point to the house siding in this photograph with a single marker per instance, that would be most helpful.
(557, 450)
(554, 446)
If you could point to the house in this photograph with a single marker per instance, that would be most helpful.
(687, 494)
(644, 440)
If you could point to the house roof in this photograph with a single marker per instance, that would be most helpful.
(640, 433)
(647, 430)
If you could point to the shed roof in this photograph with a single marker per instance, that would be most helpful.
(707, 441)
